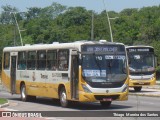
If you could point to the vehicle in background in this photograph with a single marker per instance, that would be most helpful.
(142, 63)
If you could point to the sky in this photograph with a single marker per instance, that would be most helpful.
(96, 5)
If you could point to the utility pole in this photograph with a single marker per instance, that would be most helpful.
(14, 36)
(17, 27)
(110, 29)
(92, 27)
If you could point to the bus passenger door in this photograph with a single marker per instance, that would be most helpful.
(74, 77)
(13, 74)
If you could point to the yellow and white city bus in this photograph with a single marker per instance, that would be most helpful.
(142, 65)
(84, 71)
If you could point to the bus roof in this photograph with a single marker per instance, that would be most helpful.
(139, 46)
(56, 45)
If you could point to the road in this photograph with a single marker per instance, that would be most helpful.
(135, 103)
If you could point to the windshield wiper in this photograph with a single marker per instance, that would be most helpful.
(110, 66)
(97, 62)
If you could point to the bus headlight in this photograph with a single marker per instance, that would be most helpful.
(86, 89)
(125, 88)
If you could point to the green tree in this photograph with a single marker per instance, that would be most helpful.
(6, 15)
(74, 24)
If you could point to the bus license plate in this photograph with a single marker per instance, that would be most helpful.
(107, 99)
(141, 83)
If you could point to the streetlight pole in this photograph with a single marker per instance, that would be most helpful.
(110, 28)
(17, 27)
(92, 27)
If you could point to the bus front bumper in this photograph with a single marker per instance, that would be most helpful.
(91, 97)
(133, 83)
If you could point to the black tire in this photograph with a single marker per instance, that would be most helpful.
(31, 98)
(137, 89)
(63, 98)
(24, 96)
(105, 104)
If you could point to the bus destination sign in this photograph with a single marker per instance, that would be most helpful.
(102, 48)
(140, 50)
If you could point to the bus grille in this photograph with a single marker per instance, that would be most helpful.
(101, 97)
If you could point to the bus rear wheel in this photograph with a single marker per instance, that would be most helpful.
(137, 89)
(24, 96)
(105, 103)
(63, 98)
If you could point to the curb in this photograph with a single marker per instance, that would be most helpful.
(157, 86)
(147, 95)
(4, 105)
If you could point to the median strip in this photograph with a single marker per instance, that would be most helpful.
(3, 102)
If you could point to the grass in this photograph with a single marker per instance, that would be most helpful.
(2, 101)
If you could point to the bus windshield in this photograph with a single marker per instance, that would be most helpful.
(106, 69)
(141, 63)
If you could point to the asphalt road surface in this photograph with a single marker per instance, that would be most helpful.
(148, 102)
(135, 103)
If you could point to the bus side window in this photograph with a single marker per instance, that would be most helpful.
(51, 60)
(41, 60)
(21, 60)
(63, 60)
(31, 60)
(6, 61)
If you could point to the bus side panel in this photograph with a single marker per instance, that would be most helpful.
(35, 89)
(18, 82)
(52, 90)
(42, 83)
(32, 79)
(54, 80)
(5, 74)
(6, 79)
(51, 85)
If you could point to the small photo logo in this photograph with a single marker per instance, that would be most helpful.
(6, 114)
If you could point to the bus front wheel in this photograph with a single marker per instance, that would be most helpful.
(137, 89)
(105, 103)
(63, 97)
